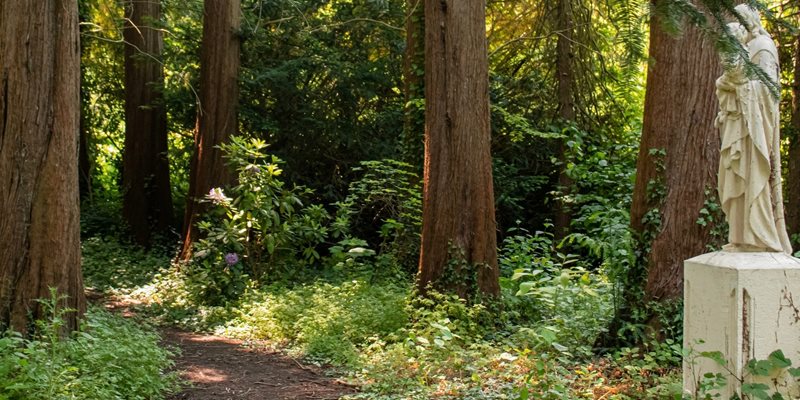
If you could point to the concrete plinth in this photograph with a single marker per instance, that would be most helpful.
(742, 305)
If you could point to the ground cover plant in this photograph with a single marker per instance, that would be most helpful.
(110, 357)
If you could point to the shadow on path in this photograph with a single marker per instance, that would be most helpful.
(221, 368)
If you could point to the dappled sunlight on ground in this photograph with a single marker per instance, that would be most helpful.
(221, 368)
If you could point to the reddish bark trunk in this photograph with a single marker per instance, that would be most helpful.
(216, 117)
(147, 197)
(39, 103)
(793, 175)
(459, 248)
(680, 107)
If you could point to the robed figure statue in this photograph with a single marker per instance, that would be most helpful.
(750, 168)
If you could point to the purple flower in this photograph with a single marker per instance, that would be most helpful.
(231, 259)
(217, 196)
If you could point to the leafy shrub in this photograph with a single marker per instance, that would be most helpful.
(569, 303)
(385, 206)
(260, 232)
(109, 358)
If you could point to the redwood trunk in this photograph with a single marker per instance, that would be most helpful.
(459, 245)
(39, 107)
(216, 116)
(147, 200)
(680, 107)
(793, 178)
(566, 107)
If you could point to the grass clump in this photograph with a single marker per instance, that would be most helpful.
(324, 320)
(108, 358)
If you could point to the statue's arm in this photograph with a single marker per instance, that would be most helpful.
(766, 60)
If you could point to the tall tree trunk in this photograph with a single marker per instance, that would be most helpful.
(566, 108)
(39, 103)
(678, 156)
(216, 116)
(793, 178)
(147, 198)
(413, 82)
(459, 243)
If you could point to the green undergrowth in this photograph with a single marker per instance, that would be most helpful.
(109, 264)
(535, 342)
(398, 346)
(108, 358)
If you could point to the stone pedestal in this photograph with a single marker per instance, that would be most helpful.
(744, 305)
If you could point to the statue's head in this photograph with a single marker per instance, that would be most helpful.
(738, 31)
(752, 19)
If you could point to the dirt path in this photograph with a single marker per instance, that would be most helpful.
(221, 368)
(218, 368)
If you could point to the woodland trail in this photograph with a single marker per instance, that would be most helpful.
(222, 368)
(219, 368)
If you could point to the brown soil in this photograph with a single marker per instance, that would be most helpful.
(222, 368)
(218, 368)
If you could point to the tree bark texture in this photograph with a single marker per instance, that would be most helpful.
(216, 116)
(147, 197)
(459, 244)
(413, 82)
(678, 155)
(566, 108)
(39, 107)
(793, 175)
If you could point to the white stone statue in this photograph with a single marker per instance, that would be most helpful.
(749, 168)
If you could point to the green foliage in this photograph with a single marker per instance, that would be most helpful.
(323, 320)
(109, 358)
(320, 81)
(767, 379)
(603, 177)
(711, 215)
(385, 204)
(260, 232)
(319, 320)
(110, 264)
(569, 304)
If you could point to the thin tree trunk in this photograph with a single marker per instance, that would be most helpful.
(84, 161)
(566, 107)
(678, 156)
(793, 178)
(147, 197)
(459, 244)
(216, 117)
(413, 82)
(84, 158)
(39, 103)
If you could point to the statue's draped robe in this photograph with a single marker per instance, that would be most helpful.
(749, 170)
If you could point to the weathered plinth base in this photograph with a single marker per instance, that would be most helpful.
(742, 305)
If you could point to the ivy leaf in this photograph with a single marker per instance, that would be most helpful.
(715, 356)
(779, 360)
(525, 288)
